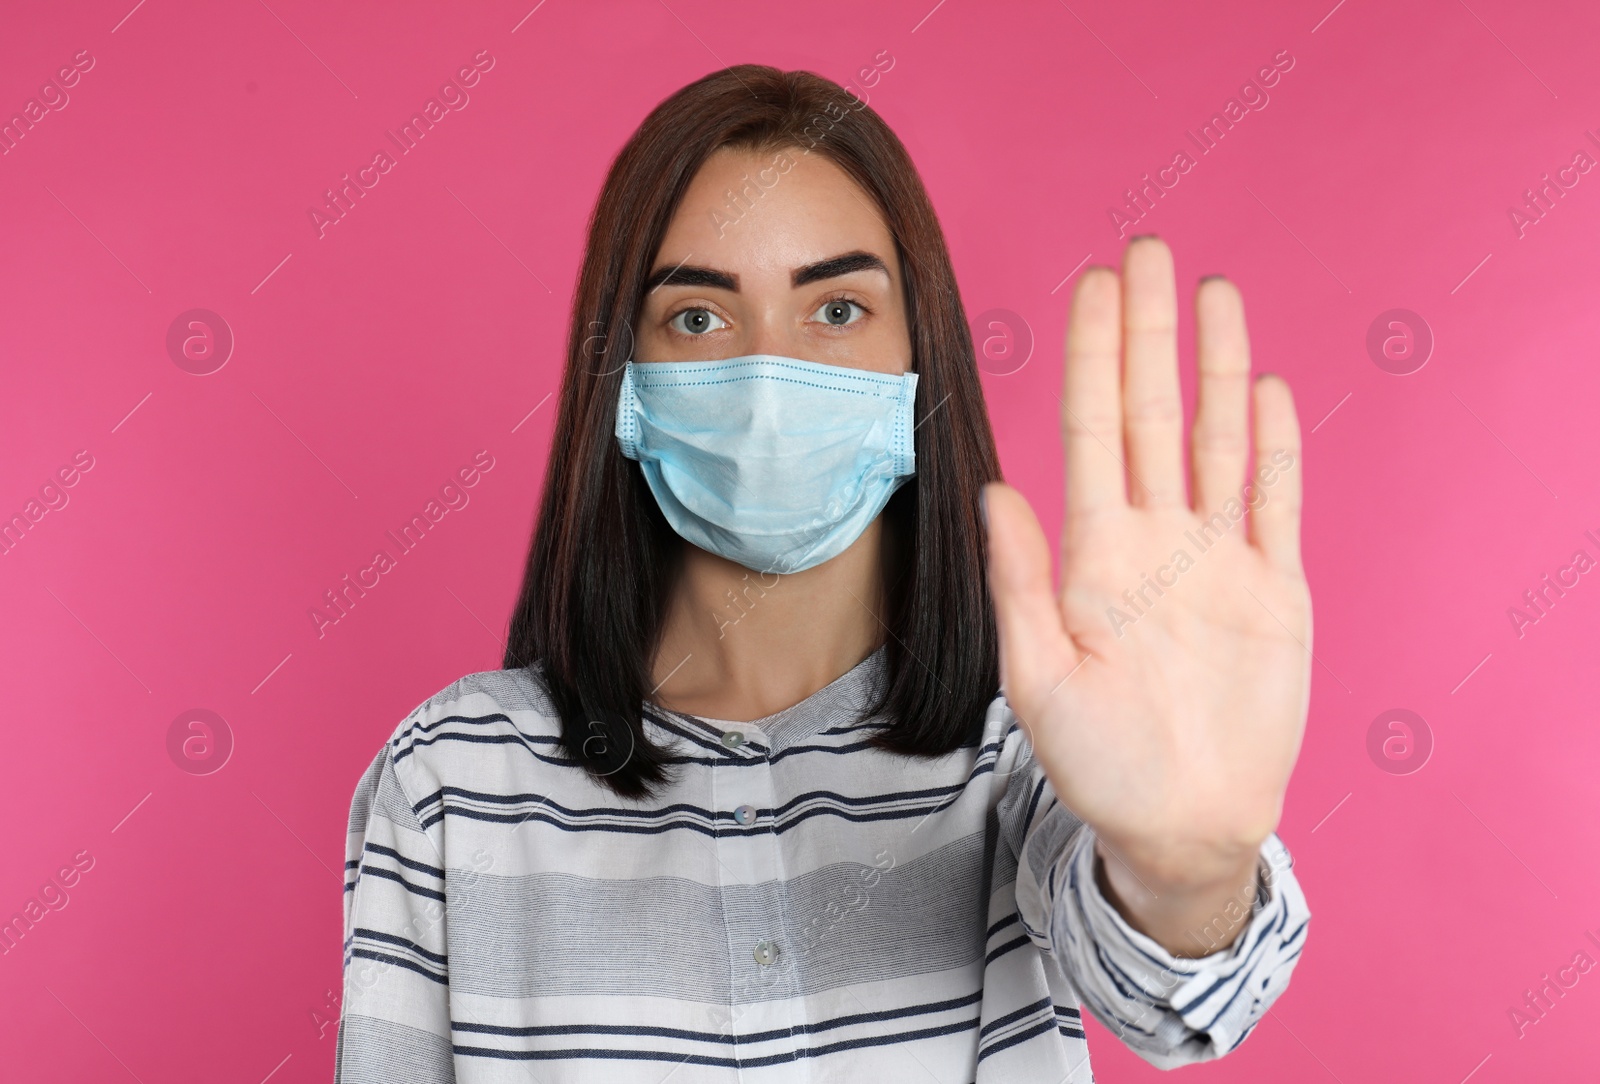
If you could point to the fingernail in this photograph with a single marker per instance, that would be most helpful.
(1208, 278)
(1143, 237)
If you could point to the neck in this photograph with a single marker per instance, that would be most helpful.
(739, 645)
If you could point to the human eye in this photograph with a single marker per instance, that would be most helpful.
(695, 321)
(840, 311)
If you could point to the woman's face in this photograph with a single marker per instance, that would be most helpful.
(801, 264)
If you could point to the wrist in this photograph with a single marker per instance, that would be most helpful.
(1188, 915)
(1181, 869)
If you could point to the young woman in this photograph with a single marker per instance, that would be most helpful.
(799, 768)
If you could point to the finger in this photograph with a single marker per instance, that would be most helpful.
(1152, 408)
(1032, 639)
(1220, 439)
(1091, 407)
(1278, 478)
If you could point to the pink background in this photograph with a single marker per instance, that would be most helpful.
(369, 364)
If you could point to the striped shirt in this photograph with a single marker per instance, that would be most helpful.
(797, 906)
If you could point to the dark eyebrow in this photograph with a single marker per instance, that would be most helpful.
(833, 267)
(684, 275)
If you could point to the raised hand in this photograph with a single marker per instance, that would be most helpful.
(1165, 684)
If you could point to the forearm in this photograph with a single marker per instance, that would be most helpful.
(1191, 914)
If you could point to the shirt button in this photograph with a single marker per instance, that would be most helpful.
(766, 952)
(745, 814)
(733, 739)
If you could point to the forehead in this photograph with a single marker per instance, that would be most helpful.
(755, 212)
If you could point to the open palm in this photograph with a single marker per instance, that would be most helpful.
(1165, 685)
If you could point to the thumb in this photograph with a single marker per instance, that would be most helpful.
(1035, 650)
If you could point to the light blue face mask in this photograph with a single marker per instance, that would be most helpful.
(774, 463)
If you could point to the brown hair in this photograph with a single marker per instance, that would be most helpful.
(603, 558)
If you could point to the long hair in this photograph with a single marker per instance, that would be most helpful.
(603, 558)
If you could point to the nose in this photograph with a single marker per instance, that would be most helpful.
(770, 331)
(779, 331)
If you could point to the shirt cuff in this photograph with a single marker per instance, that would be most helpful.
(1174, 1010)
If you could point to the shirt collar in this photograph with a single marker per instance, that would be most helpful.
(839, 705)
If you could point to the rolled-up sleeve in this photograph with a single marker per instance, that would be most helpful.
(1170, 1010)
(394, 1021)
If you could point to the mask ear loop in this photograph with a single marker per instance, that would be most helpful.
(905, 445)
(627, 427)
